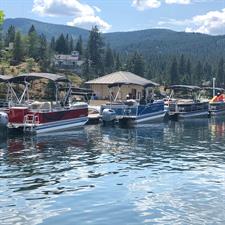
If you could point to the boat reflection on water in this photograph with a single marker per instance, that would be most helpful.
(217, 127)
(25, 149)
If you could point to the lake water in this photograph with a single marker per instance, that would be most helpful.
(172, 173)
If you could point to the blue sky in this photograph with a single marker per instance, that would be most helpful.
(205, 16)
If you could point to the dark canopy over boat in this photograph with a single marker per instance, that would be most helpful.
(182, 87)
(5, 78)
(33, 76)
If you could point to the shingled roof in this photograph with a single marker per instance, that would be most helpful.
(122, 77)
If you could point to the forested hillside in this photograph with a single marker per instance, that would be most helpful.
(163, 55)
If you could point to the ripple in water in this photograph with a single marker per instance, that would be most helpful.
(155, 174)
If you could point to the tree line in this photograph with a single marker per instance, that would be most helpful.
(100, 59)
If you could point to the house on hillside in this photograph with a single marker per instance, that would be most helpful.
(71, 61)
(121, 84)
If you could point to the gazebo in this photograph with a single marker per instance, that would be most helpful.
(128, 83)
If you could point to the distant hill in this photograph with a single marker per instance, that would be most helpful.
(151, 42)
(49, 30)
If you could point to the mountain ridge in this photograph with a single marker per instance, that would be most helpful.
(148, 42)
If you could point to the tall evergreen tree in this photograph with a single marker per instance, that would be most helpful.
(221, 73)
(32, 29)
(33, 43)
(67, 50)
(71, 44)
(198, 74)
(10, 35)
(96, 51)
(18, 48)
(60, 45)
(136, 64)
(52, 43)
(189, 72)
(79, 45)
(109, 60)
(118, 64)
(43, 53)
(174, 77)
(181, 69)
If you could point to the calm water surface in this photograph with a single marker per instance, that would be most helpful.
(172, 173)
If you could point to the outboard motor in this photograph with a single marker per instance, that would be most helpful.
(108, 116)
(3, 119)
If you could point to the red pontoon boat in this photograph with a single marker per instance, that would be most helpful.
(42, 117)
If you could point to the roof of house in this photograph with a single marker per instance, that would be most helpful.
(66, 57)
(122, 78)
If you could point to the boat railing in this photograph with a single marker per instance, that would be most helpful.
(188, 107)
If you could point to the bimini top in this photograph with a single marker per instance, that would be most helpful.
(216, 88)
(33, 76)
(5, 78)
(122, 78)
(190, 87)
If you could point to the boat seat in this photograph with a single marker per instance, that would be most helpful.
(43, 106)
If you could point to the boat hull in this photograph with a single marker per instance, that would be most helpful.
(187, 115)
(43, 122)
(217, 108)
(147, 118)
(189, 110)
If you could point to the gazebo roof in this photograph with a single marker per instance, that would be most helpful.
(122, 78)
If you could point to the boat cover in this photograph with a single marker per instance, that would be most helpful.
(33, 76)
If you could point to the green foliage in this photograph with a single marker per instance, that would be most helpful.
(109, 60)
(221, 73)
(95, 51)
(18, 53)
(33, 43)
(2, 15)
(174, 77)
(10, 35)
(136, 64)
(79, 45)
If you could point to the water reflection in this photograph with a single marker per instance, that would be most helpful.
(147, 174)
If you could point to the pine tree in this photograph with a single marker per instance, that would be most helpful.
(52, 44)
(79, 45)
(2, 15)
(220, 73)
(174, 78)
(95, 51)
(109, 60)
(189, 72)
(43, 53)
(67, 50)
(32, 29)
(137, 64)
(10, 35)
(60, 45)
(18, 48)
(71, 45)
(181, 69)
(118, 65)
(198, 74)
(33, 43)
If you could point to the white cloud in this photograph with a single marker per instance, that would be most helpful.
(84, 14)
(149, 4)
(146, 4)
(88, 22)
(97, 9)
(62, 7)
(212, 22)
(184, 2)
